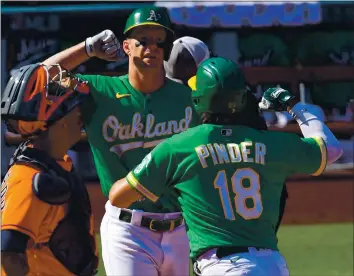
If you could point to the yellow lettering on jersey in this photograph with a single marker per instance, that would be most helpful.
(202, 153)
(231, 153)
(137, 126)
(221, 153)
(121, 148)
(261, 150)
(184, 123)
(172, 127)
(110, 128)
(234, 152)
(213, 156)
(150, 120)
(245, 151)
(124, 132)
(113, 130)
(160, 129)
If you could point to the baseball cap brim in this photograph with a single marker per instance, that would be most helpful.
(147, 24)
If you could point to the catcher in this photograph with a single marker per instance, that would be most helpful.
(47, 224)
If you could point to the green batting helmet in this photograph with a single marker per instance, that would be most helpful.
(220, 87)
(152, 16)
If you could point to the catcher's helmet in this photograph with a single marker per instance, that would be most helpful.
(152, 16)
(219, 87)
(37, 96)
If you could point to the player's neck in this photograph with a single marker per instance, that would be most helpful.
(55, 150)
(146, 81)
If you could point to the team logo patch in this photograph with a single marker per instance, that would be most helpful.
(143, 164)
(154, 16)
(226, 132)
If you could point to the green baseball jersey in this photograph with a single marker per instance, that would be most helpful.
(229, 180)
(263, 50)
(123, 125)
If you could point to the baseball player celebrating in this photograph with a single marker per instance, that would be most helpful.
(186, 55)
(228, 176)
(47, 225)
(252, 118)
(125, 118)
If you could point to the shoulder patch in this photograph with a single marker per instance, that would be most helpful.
(143, 164)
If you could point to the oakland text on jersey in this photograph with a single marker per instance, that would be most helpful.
(231, 153)
(113, 130)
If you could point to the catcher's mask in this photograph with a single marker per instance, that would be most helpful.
(37, 96)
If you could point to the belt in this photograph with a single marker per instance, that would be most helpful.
(230, 250)
(222, 252)
(153, 224)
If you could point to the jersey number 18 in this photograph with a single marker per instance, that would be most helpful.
(241, 193)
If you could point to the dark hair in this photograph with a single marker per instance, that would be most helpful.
(249, 117)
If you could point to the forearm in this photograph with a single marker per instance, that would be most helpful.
(122, 194)
(69, 58)
(311, 126)
(14, 264)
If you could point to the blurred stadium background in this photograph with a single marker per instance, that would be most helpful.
(306, 46)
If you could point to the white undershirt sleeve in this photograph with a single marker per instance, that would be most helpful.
(313, 127)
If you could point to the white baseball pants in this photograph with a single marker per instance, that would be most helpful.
(131, 250)
(252, 263)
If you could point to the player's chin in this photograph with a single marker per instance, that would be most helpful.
(152, 62)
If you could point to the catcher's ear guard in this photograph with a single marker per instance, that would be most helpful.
(13, 93)
(51, 188)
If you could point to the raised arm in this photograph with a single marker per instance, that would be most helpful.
(104, 45)
(69, 58)
(310, 124)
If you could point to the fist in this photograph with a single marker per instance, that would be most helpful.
(105, 46)
(276, 99)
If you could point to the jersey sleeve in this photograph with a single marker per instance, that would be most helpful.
(95, 83)
(154, 173)
(21, 210)
(304, 155)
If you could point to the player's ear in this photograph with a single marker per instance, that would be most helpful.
(126, 46)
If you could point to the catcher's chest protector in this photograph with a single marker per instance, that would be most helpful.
(71, 242)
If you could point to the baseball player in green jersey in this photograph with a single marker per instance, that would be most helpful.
(228, 176)
(125, 118)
